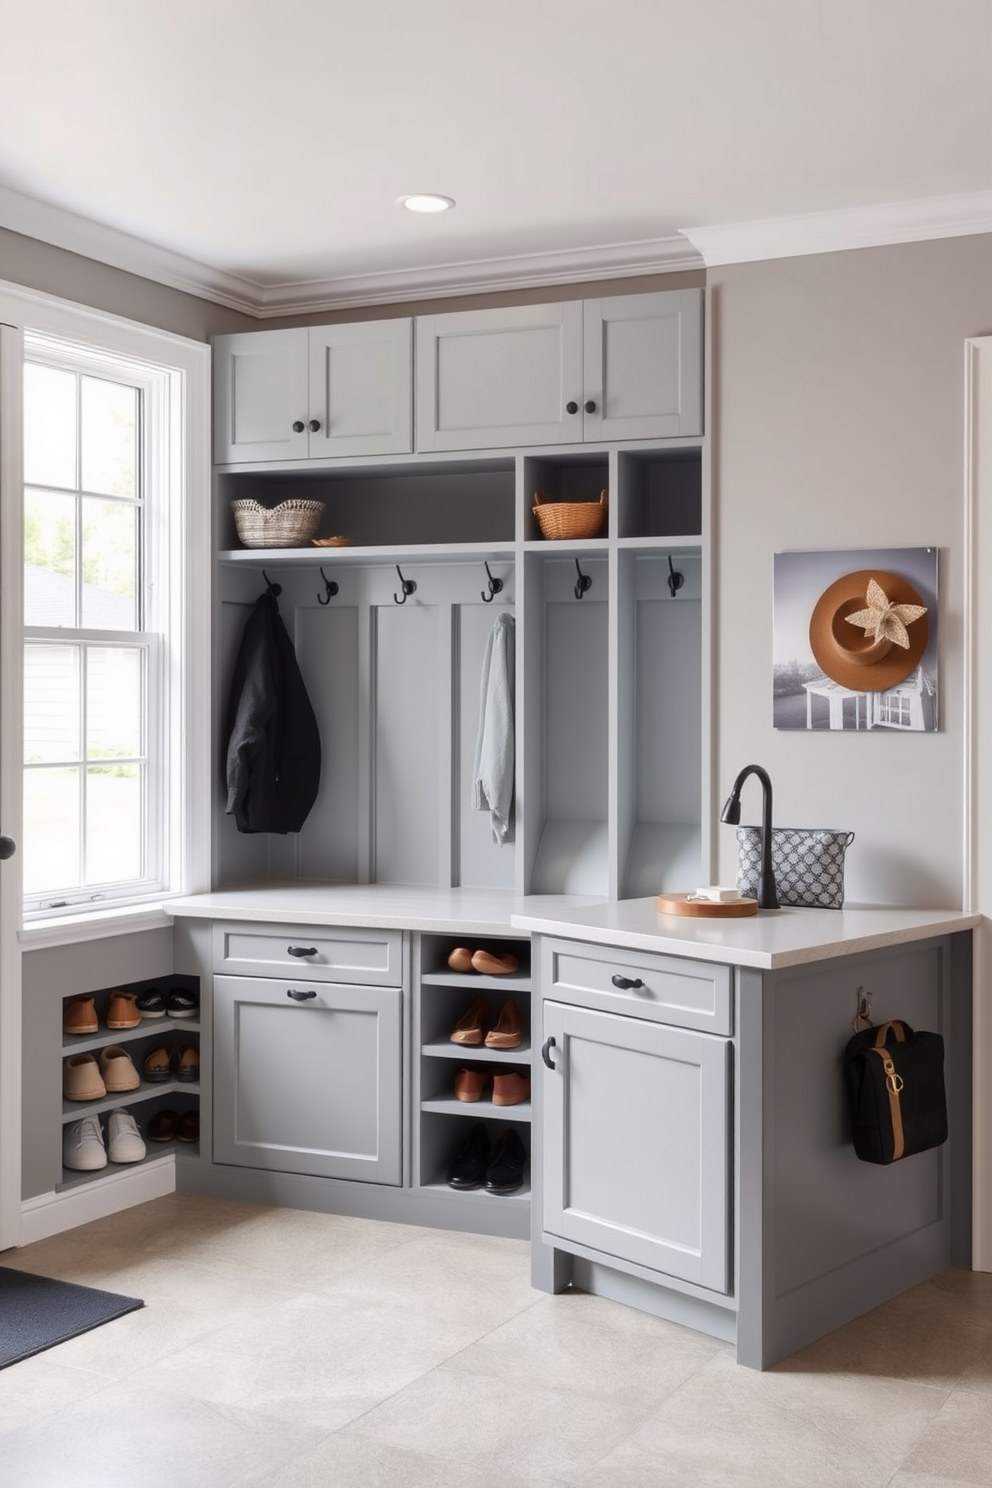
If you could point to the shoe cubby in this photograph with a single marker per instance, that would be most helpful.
(443, 1121)
(149, 1096)
(441, 1140)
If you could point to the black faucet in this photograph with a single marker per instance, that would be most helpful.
(731, 813)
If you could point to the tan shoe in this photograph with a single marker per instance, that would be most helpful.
(490, 964)
(79, 1016)
(460, 959)
(510, 1089)
(468, 1029)
(188, 1063)
(470, 1083)
(118, 1070)
(157, 1065)
(508, 1030)
(122, 1009)
(81, 1078)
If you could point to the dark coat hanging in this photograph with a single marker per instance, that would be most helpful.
(273, 744)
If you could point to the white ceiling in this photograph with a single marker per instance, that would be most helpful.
(254, 150)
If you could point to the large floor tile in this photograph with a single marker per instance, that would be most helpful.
(347, 1461)
(957, 1443)
(124, 1437)
(314, 1361)
(34, 1388)
(731, 1426)
(493, 1425)
(592, 1347)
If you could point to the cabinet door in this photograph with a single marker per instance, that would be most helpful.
(642, 366)
(636, 1147)
(260, 392)
(307, 1083)
(361, 388)
(488, 379)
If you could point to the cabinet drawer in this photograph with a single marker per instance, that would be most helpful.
(666, 989)
(360, 957)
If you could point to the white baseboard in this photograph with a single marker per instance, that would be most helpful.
(54, 1213)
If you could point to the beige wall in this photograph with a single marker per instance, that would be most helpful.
(838, 423)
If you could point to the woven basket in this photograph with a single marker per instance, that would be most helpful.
(559, 519)
(291, 524)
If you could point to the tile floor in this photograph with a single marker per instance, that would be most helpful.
(297, 1350)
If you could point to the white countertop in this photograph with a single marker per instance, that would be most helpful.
(768, 940)
(382, 906)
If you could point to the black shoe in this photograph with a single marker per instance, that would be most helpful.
(151, 1003)
(505, 1174)
(182, 1004)
(468, 1168)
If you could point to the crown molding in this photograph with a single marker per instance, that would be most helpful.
(854, 227)
(483, 276)
(120, 250)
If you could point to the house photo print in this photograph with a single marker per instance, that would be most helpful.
(855, 640)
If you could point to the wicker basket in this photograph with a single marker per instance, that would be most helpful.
(558, 519)
(291, 524)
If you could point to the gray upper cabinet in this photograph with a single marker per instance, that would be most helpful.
(489, 379)
(628, 367)
(313, 394)
(642, 365)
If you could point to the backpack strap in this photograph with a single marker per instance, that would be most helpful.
(893, 1084)
(881, 1033)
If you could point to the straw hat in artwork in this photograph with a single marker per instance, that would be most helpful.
(869, 630)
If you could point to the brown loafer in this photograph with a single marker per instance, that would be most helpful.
(490, 964)
(162, 1126)
(510, 1089)
(468, 1029)
(122, 1009)
(189, 1127)
(188, 1063)
(79, 1016)
(508, 1030)
(470, 1083)
(460, 959)
(157, 1066)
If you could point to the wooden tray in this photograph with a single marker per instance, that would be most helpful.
(685, 904)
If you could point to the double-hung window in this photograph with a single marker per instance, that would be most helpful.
(106, 651)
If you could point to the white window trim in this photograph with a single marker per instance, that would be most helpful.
(187, 580)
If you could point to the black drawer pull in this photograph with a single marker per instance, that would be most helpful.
(549, 1044)
(627, 984)
(298, 996)
(302, 950)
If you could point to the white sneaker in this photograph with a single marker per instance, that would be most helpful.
(124, 1144)
(82, 1145)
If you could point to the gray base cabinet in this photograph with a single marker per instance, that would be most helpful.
(308, 1078)
(636, 1142)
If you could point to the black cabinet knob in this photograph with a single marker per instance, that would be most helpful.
(298, 996)
(626, 984)
(8, 847)
(314, 425)
(571, 407)
(298, 426)
(590, 406)
(302, 950)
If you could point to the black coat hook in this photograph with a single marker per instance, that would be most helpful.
(407, 585)
(675, 579)
(582, 583)
(330, 588)
(274, 589)
(495, 587)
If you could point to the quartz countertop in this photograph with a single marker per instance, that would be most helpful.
(768, 940)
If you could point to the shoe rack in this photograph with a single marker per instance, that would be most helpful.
(149, 1098)
(442, 1121)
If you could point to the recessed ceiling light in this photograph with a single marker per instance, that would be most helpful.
(425, 202)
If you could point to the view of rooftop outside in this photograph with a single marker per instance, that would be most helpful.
(84, 698)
